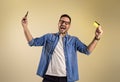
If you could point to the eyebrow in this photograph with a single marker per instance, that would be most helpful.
(64, 21)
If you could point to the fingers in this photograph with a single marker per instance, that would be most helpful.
(99, 30)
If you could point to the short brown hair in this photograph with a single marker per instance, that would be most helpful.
(66, 15)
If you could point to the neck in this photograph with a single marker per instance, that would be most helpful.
(63, 34)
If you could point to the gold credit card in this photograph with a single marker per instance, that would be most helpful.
(96, 24)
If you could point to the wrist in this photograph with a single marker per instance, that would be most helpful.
(96, 38)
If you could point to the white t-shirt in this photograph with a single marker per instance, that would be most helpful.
(57, 66)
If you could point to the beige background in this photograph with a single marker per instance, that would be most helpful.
(18, 61)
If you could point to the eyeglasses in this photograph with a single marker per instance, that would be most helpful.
(62, 21)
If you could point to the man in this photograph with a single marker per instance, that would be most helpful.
(58, 61)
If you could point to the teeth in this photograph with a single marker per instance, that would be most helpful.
(62, 27)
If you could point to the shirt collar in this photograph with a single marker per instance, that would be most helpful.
(64, 36)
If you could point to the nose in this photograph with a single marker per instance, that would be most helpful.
(63, 23)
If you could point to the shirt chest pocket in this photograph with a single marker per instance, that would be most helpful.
(49, 45)
(71, 47)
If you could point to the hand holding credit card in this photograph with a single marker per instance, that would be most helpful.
(24, 20)
(25, 16)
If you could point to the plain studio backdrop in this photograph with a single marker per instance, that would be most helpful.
(19, 62)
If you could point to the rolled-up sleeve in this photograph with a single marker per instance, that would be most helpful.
(31, 42)
(81, 47)
(39, 41)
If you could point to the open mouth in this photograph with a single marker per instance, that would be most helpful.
(62, 27)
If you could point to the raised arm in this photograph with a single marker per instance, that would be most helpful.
(97, 37)
(27, 33)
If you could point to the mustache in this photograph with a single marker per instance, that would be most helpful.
(63, 27)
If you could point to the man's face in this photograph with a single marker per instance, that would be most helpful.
(64, 25)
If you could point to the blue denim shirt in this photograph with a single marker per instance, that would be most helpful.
(71, 46)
